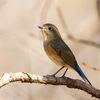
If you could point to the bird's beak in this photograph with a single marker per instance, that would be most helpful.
(40, 27)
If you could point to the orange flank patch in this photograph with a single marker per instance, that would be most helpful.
(56, 58)
(51, 51)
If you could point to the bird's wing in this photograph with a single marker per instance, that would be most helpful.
(65, 53)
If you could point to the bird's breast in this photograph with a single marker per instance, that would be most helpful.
(53, 55)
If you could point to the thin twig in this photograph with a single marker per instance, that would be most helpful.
(98, 69)
(32, 78)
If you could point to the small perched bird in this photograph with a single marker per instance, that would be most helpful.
(58, 51)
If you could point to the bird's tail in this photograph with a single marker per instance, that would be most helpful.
(82, 75)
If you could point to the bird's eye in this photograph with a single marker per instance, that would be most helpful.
(49, 28)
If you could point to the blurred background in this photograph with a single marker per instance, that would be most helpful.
(21, 45)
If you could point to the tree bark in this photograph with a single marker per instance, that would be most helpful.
(32, 78)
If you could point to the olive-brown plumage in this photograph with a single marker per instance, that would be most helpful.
(58, 51)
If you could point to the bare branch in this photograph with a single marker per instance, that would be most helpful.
(91, 43)
(32, 78)
(98, 69)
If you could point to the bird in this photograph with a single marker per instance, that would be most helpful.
(58, 51)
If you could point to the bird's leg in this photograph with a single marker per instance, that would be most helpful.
(64, 73)
(58, 71)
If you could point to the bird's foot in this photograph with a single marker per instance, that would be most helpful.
(63, 76)
(51, 75)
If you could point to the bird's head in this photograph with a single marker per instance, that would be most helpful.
(50, 31)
